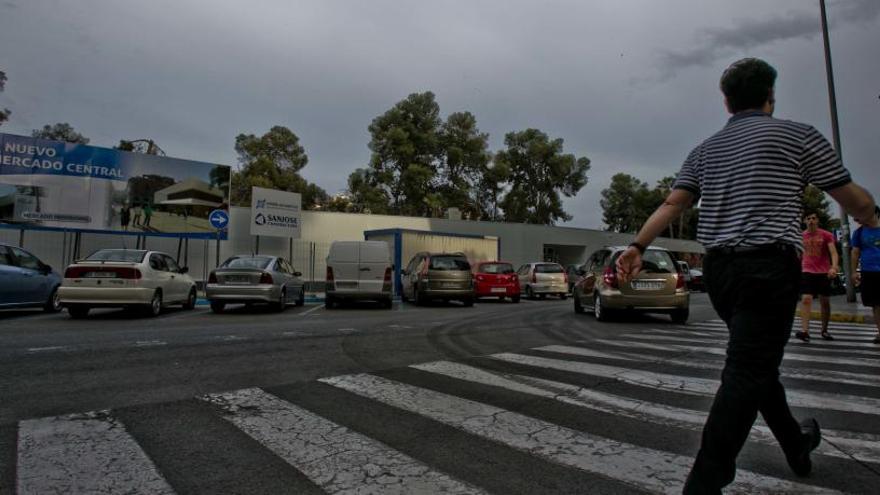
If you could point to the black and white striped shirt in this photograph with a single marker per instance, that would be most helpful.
(751, 176)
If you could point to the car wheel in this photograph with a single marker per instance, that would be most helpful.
(190, 303)
(515, 298)
(53, 304)
(680, 316)
(563, 296)
(217, 306)
(78, 312)
(329, 302)
(403, 297)
(500, 299)
(301, 299)
(468, 302)
(530, 294)
(599, 309)
(155, 306)
(387, 303)
(578, 307)
(281, 303)
(542, 296)
(420, 298)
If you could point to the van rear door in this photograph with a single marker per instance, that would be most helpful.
(344, 260)
(375, 259)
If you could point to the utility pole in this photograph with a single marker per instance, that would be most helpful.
(835, 130)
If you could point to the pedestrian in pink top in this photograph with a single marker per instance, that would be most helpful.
(818, 266)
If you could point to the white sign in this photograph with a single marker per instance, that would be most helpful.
(275, 213)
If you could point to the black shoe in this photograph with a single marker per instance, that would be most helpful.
(827, 336)
(695, 486)
(800, 461)
(803, 336)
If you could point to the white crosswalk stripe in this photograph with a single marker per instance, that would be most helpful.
(657, 377)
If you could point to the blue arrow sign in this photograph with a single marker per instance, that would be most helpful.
(219, 219)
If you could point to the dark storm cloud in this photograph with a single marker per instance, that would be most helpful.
(752, 32)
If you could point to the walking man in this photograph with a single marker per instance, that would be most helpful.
(819, 265)
(866, 250)
(751, 175)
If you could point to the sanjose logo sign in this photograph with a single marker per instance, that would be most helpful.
(276, 220)
(260, 219)
(261, 203)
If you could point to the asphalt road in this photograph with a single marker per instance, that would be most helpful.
(498, 398)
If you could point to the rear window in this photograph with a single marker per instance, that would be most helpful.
(548, 268)
(124, 255)
(259, 262)
(450, 263)
(498, 268)
(654, 261)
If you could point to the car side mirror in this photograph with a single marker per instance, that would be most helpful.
(297, 274)
(46, 269)
(185, 269)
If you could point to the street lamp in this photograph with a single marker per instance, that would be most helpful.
(835, 130)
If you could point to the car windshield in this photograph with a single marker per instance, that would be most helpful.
(124, 255)
(548, 268)
(497, 268)
(450, 263)
(260, 262)
(654, 261)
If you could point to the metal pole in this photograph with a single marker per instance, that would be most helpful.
(290, 251)
(218, 249)
(835, 130)
(257, 249)
(21, 238)
(179, 246)
(186, 252)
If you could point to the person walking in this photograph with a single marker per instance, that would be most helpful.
(751, 176)
(819, 265)
(136, 221)
(866, 252)
(148, 214)
(125, 217)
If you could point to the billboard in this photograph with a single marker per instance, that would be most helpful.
(275, 213)
(54, 185)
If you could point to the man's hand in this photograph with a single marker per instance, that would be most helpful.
(629, 263)
(832, 272)
(856, 279)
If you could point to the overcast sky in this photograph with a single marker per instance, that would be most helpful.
(631, 84)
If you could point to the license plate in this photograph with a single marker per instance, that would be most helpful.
(449, 285)
(499, 289)
(237, 279)
(346, 285)
(100, 275)
(648, 285)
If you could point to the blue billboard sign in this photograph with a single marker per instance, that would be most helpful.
(55, 185)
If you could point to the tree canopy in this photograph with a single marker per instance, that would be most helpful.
(816, 202)
(628, 202)
(4, 113)
(61, 131)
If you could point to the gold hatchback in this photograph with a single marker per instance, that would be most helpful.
(658, 288)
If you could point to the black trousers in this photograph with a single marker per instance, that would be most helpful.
(756, 294)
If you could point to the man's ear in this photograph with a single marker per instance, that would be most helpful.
(727, 106)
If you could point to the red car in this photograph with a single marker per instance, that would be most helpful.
(496, 279)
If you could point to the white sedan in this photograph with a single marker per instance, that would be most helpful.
(128, 278)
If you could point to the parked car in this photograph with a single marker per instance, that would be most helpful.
(359, 270)
(445, 276)
(496, 279)
(696, 282)
(128, 278)
(541, 279)
(658, 288)
(248, 279)
(27, 282)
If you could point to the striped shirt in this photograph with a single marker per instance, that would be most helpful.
(751, 177)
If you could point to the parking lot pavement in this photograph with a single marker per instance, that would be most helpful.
(526, 398)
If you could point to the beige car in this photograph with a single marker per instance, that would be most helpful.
(445, 276)
(659, 288)
(542, 279)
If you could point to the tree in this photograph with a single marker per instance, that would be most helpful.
(816, 202)
(4, 113)
(624, 203)
(273, 161)
(365, 192)
(539, 171)
(61, 131)
(464, 157)
(405, 146)
(493, 180)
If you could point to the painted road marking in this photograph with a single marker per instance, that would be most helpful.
(48, 348)
(83, 453)
(317, 307)
(644, 468)
(333, 457)
(149, 343)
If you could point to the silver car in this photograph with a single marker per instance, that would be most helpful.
(128, 278)
(541, 279)
(248, 279)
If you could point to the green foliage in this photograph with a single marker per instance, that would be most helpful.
(816, 202)
(493, 180)
(61, 131)
(405, 148)
(4, 113)
(366, 192)
(538, 172)
(628, 202)
(273, 161)
(464, 158)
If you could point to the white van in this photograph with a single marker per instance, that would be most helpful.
(359, 270)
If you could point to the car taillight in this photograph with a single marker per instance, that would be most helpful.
(679, 281)
(212, 278)
(128, 273)
(534, 278)
(566, 277)
(265, 278)
(480, 278)
(329, 275)
(74, 272)
(387, 277)
(610, 277)
(514, 278)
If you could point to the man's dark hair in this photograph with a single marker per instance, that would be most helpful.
(747, 84)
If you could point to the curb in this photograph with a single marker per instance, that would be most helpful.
(844, 317)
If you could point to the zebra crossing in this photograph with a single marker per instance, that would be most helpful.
(617, 414)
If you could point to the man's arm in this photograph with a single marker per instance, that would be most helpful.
(630, 261)
(835, 261)
(856, 201)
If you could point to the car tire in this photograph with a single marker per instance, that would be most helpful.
(420, 298)
(155, 307)
(217, 306)
(468, 302)
(387, 303)
(599, 309)
(515, 298)
(542, 296)
(78, 312)
(53, 304)
(403, 297)
(301, 298)
(680, 316)
(563, 296)
(530, 294)
(190, 303)
(329, 302)
(578, 307)
(281, 304)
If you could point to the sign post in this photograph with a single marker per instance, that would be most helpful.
(275, 213)
(219, 219)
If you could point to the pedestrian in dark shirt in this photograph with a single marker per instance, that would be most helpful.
(866, 266)
(751, 177)
(125, 217)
